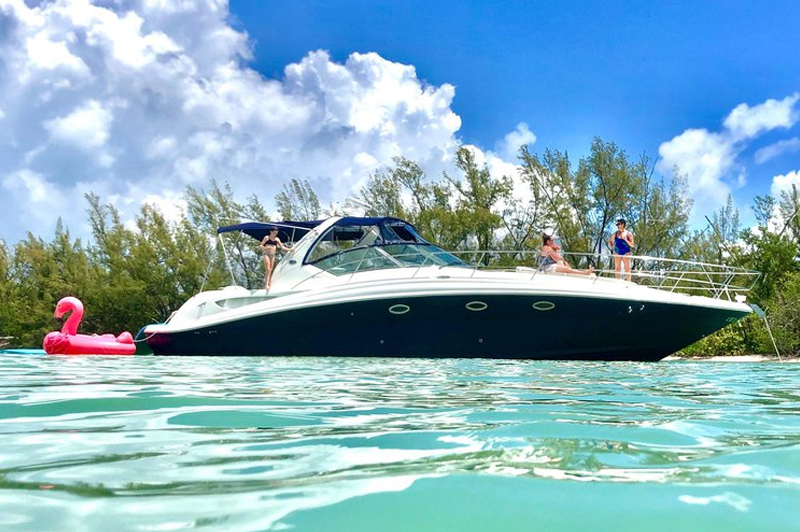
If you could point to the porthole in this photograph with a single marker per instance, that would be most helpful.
(544, 305)
(476, 306)
(399, 309)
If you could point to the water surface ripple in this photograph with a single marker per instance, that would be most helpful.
(252, 444)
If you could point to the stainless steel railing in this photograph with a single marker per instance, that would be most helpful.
(714, 280)
(674, 275)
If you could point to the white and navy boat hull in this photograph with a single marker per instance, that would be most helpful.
(551, 317)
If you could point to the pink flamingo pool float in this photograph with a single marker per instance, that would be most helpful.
(69, 342)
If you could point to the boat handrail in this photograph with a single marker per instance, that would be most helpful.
(673, 275)
(658, 272)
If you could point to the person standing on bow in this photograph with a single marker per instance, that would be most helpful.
(621, 242)
(270, 245)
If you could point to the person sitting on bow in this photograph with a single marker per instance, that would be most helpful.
(551, 261)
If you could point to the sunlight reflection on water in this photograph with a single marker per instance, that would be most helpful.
(147, 443)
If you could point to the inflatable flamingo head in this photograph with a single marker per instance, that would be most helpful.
(65, 304)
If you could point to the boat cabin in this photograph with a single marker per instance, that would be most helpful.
(347, 245)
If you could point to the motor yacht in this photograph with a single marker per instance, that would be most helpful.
(373, 287)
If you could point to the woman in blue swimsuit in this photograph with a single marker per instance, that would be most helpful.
(622, 244)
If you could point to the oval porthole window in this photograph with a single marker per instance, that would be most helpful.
(399, 309)
(476, 306)
(544, 305)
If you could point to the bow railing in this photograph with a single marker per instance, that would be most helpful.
(674, 275)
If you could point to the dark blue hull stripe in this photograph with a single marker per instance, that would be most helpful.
(497, 326)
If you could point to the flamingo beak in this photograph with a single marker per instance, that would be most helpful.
(58, 312)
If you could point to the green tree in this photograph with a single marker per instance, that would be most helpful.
(298, 201)
(523, 218)
(785, 314)
(721, 241)
(659, 211)
(168, 258)
(582, 204)
(770, 249)
(38, 275)
(119, 298)
(383, 194)
(6, 318)
(478, 198)
(789, 214)
(566, 195)
(428, 206)
(34, 291)
(217, 207)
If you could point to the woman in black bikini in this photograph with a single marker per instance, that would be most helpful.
(270, 245)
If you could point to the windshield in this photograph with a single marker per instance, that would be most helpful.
(376, 246)
(382, 257)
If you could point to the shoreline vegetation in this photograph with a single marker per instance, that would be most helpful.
(132, 273)
(734, 358)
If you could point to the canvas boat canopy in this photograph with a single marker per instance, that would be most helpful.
(347, 228)
(287, 231)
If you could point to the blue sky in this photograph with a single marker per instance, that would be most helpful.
(636, 73)
(134, 100)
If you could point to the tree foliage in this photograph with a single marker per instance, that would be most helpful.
(786, 315)
(298, 201)
(217, 207)
(134, 272)
(582, 202)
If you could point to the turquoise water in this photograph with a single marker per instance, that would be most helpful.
(248, 444)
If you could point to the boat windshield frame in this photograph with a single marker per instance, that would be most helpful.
(387, 243)
(385, 257)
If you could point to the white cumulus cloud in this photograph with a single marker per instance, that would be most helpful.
(40, 197)
(783, 183)
(48, 55)
(746, 122)
(780, 184)
(709, 159)
(704, 157)
(503, 162)
(86, 127)
(511, 143)
(135, 99)
(776, 149)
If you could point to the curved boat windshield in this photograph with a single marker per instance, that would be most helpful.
(384, 244)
